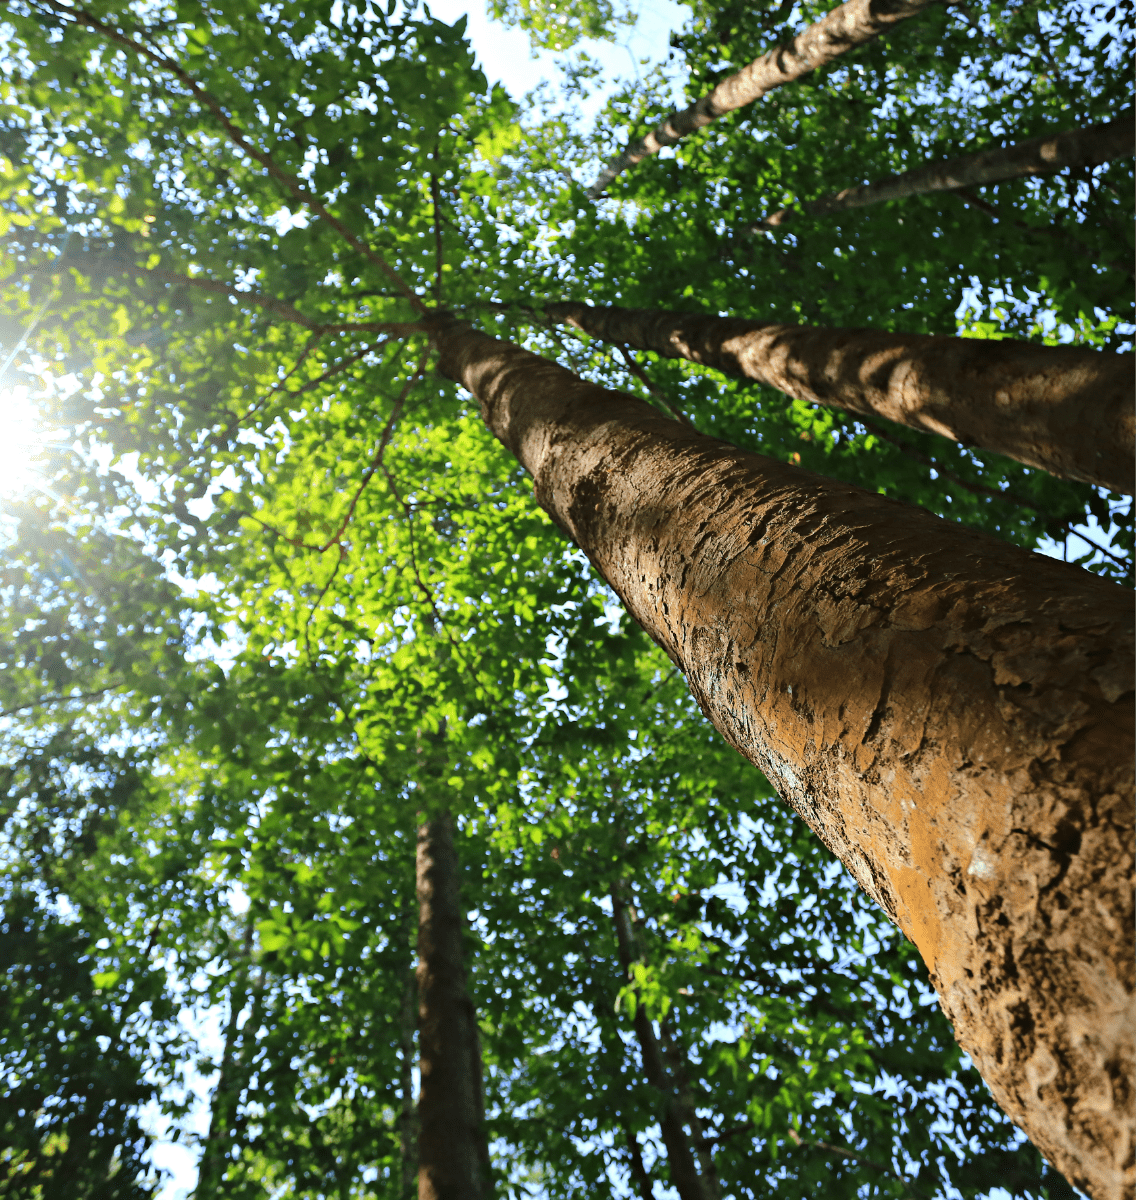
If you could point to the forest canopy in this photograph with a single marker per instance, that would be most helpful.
(335, 760)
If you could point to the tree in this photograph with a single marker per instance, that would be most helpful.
(276, 366)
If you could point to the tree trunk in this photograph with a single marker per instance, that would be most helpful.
(1088, 147)
(1063, 409)
(951, 714)
(852, 24)
(215, 1154)
(674, 1052)
(408, 1116)
(684, 1173)
(450, 1138)
(639, 1173)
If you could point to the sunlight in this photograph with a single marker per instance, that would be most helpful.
(21, 441)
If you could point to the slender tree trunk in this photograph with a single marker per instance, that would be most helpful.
(639, 1174)
(450, 1139)
(674, 1052)
(408, 1116)
(951, 714)
(1063, 409)
(852, 24)
(684, 1172)
(223, 1105)
(1088, 147)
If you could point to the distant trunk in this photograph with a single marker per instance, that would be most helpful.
(1063, 409)
(639, 1173)
(852, 24)
(451, 1156)
(1088, 147)
(684, 1173)
(951, 714)
(408, 1116)
(675, 1054)
(215, 1154)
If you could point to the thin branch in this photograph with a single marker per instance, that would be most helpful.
(437, 239)
(42, 700)
(319, 600)
(246, 295)
(1096, 545)
(238, 137)
(829, 1148)
(968, 197)
(1090, 146)
(982, 489)
(641, 375)
(368, 474)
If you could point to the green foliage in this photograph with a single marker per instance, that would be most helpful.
(560, 25)
(228, 661)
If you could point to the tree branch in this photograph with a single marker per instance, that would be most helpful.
(1045, 155)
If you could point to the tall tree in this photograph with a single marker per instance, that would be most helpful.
(790, 603)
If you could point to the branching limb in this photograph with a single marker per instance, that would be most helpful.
(43, 700)
(982, 489)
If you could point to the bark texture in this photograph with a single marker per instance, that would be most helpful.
(1064, 409)
(684, 1173)
(450, 1137)
(1088, 147)
(952, 715)
(852, 24)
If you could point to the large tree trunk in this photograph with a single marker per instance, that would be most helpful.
(852, 24)
(1088, 147)
(684, 1173)
(451, 1159)
(1064, 409)
(951, 714)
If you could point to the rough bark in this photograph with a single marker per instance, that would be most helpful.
(1063, 409)
(1088, 147)
(952, 715)
(684, 1173)
(450, 1136)
(852, 24)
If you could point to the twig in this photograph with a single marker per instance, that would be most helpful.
(375, 464)
(641, 375)
(238, 138)
(437, 239)
(968, 197)
(982, 489)
(9, 712)
(829, 1148)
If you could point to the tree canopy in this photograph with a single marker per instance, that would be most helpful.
(277, 591)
